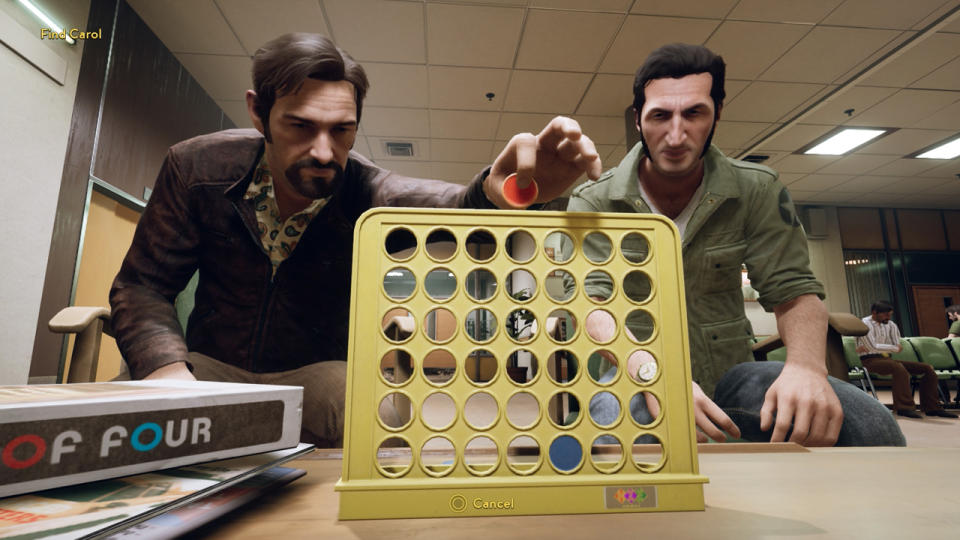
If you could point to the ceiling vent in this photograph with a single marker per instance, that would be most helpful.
(399, 149)
(756, 158)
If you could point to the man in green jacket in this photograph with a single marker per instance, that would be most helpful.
(731, 213)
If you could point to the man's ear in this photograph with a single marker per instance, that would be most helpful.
(251, 101)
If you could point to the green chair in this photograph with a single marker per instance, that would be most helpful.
(857, 371)
(934, 351)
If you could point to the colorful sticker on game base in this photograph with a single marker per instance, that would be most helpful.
(477, 384)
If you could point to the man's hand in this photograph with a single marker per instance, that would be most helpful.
(711, 419)
(803, 396)
(555, 158)
(176, 370)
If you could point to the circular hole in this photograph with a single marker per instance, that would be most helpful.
(521, 325)
(562, 366)
(561, 325)
(396, 366)
(640, 325)
(481, 366)
(481, 245)
(635, 248)
(606, 454)
(441, 244)
(522, 366)
(439, 367)
(523, 455)
(521, 285)
(395, 410)
(601, 326)
(438, 456)
(602, 366)
(394, 457)
(523, 410)
(644, 408)
(481, 455)
(642, 366)
(597, 247)
(400, 244)
(558, 247)
(438, 411)
(399, 284)
(604, 409)
(564, 409)
(440, 284)
(520, 246)
(481, 284)
(481, 325)
(398, 325)
(440, 325)
(560, 285)
(481, 410)
(566, 455)
(598, 285)
(637, 286)
(647, 452)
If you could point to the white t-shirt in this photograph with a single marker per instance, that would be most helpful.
(684, 217)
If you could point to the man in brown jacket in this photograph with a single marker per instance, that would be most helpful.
(267, 219)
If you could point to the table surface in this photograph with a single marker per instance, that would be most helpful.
(755, 491)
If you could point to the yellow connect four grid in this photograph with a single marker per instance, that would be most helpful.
(471, 373)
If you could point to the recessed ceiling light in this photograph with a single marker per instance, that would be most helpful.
(45, 19)
(845, 141)
(947, 150)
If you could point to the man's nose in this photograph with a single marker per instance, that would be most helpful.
(322, 148)
(676, 132)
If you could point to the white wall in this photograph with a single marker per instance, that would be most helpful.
(36, 113)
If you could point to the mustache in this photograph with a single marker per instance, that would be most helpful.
(313, 163)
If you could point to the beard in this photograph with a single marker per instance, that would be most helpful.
(314, 187)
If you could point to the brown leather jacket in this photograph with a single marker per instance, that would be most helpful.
(197, 218)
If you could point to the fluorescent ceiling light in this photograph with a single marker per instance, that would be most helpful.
(845, 141)
(45, 19)
(947, 150)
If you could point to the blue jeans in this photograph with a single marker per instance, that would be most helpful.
(740, 393)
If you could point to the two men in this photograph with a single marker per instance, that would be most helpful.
(267, 219)
(731, 213)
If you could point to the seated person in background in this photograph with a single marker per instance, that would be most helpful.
(875, 348)
(728, 213)
(267, 217)
(953, 313)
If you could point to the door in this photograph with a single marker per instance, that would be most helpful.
(931, 302)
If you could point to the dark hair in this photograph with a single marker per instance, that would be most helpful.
(881, 306)
(281, 66)
(678, 60)
(954, 308)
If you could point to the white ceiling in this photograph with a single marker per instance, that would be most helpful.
(793, 68)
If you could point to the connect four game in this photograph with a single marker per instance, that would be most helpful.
(517, 362)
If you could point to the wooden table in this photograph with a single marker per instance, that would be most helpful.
(755, 491)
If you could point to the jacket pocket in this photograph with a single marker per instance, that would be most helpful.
(726, 344)
(721, 267)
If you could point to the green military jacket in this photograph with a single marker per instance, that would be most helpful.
(744, 216)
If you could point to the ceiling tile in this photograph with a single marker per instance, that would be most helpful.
(461, 150)
(950, 187)
(795, 137)
(858, 98)
(909, 186)
(565, 40)
(856, 164)
(905, 167)
(617, 6)
(833, 197)
(483, 36)
(546, 91)
(256, 22)
(947, 118)
(866, 184)
(903, 142)
(513, 123)
(515, 3)
(608, 95)
(819, 182)
(800, 196)
(749, 48)
(396, 85)
(458, 173)
(713, 9)
(953, 26)
(189, 26)
(881, 13)
(602, 129)
(904, 108)
(827, 53)
(768, 101)
(640, 35)
(789, 178)
(236, 109)
(873, 199)
(737, 134)
(799, 163)
(615, 156)
(466, 88)
(396, 122)
(786, 11)
(916, 62)
(944, 168)
(378, 148)
(223, 77)
(378, 30)
(733, 88)
(946, 77)
(416, 169)
(446, 124)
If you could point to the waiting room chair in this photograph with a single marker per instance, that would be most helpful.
(934, 351)
(838, 325)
